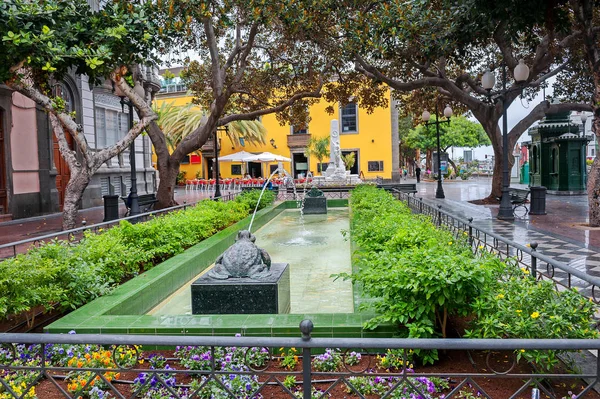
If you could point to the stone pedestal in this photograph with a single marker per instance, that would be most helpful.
(315, 206)
(270, 295)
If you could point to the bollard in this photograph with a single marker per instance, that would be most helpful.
(533, 246)
(306, 327)
(535, 393)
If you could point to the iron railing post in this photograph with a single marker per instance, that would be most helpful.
(439, 218)
(470, 232)
(306, 327)
(420, 205)
(533, 246)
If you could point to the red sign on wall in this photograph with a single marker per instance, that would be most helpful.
(195, 159)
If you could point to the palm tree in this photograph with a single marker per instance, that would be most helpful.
(317, 147)
(179, 121)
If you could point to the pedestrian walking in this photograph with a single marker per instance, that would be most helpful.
(418, 174)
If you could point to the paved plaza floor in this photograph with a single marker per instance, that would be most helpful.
(561, 234)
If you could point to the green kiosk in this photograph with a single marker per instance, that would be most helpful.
(557, 155)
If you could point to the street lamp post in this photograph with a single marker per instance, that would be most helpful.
(216, 166)
(134, 205)
(439, 193)
(521, 73)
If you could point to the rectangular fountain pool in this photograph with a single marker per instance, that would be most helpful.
(314, 247)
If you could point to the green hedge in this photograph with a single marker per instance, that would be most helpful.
(63, 275)
(419, 275)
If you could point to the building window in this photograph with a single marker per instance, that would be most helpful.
(63, 91)
(299, 130)
(468, 156)
(236, 170)
(185, 160)
(375, 166)
(111, 126)
(349, 116)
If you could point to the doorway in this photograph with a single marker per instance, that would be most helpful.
(3, 194)
(299, 165)
(255, 169)
(63, 173)
(354, 168)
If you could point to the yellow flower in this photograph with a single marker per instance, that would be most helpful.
(480, 247)
(293, 349)
(522, 350)
(519, 311)
(500, 296)
(465, 233)
(450, 243)
(535, 315)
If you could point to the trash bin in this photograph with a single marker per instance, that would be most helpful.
(111, 207)
(538, 200)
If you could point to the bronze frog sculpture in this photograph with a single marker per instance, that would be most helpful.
(242, 259)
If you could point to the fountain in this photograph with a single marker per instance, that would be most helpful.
(336, 172)
(243, 279)
(315, 202)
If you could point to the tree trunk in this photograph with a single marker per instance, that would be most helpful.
(165, 194)
(80, 178)
(428, 160)
(593, 181)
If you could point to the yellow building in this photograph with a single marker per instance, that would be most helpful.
(372, 137)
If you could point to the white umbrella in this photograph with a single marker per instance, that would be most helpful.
(241, 156)
(267, 157)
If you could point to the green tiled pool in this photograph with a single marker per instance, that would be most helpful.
(126, 310)
(314, 248)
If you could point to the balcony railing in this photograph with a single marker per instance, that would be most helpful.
(298, 140)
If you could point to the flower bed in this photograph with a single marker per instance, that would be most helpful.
(97, 372)
(63, 275)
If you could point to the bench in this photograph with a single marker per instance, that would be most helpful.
(518, 199)
(145, 201)
(410, 188)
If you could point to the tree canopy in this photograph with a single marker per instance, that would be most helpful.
(460, 133)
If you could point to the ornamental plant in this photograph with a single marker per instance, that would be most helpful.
(415, 275)
(331, 360)
(515, 305)
(419, 387)
(64, 275)
(289, 359)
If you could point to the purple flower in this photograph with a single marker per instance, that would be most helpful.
(232, 377)
(248, 387)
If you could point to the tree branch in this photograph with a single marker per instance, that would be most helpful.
(217, 78)
(24, 85)
(540, 111)
(504, 46)
(255, 114)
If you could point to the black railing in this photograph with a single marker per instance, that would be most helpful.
(11, 249)
(61, 360)
(539, 265)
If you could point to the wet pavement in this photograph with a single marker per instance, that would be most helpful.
(23, 229)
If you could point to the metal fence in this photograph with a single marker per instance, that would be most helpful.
(540, 266)
(29, 360)
(74, 235)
